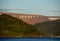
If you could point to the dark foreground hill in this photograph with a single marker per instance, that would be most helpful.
(49, 28)
(14, 27)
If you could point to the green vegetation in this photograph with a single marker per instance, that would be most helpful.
(14, 27)
(49, 28)
(10, 26)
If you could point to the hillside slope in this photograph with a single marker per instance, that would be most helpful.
(12, 27)
(49, 27)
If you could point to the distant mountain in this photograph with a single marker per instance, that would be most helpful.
(29, 18)
(13, 27)
(49, 27)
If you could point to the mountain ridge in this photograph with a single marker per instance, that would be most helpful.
(29, 18)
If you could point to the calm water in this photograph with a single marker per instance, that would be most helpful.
(29, 39)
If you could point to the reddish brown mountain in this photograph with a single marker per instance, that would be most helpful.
(29, 18)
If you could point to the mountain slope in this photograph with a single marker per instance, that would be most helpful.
(49, 27)
(10, 26)
(29, 18)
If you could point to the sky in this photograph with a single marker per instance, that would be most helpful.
(40, 7)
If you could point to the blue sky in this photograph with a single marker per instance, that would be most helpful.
(40, 7)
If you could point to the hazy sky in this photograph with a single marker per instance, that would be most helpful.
(40, 7)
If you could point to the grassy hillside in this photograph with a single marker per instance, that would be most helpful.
(11, 26)
(49, 28)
